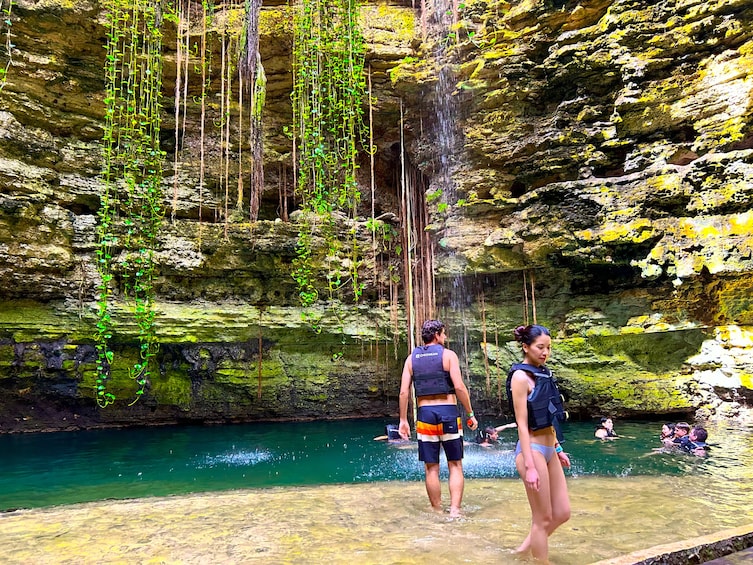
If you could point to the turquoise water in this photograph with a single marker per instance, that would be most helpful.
(48, 469)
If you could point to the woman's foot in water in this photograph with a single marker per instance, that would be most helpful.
(525, 547)
(524, 551)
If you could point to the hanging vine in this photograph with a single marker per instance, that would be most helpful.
(131, 210)
(181, 16)
(253, 72)
(207, 9)
(6, 24)
(328, 129)
(417, 249)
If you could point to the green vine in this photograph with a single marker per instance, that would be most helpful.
(131, 201)
(328, 130)
(6, 9)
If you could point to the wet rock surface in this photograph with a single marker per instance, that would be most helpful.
(604, 145)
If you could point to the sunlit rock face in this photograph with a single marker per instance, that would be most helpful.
(603, 148)
(606, 147)
(612, 133)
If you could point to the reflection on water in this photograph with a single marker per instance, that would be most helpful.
(62, 468)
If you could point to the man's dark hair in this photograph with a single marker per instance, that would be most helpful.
(430, 329)
(700, 433)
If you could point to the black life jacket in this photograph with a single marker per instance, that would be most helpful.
(691, 445)
(544, 402)
(429, 376)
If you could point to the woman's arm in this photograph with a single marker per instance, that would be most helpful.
(519, 388)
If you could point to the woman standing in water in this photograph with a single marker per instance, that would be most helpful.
(539, 457)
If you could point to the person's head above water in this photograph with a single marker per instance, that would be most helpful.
(682, 429)
(698, 434)
(430, 329)
(606, 423)
(488, 436)
(668, 430)
(536, 343)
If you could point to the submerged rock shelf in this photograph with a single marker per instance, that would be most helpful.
(375, 523)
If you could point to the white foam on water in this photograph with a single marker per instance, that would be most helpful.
(236, 459)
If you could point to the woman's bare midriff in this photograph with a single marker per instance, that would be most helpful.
(431, 399)
(544, 436)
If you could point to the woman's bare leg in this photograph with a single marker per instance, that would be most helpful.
(559, 502)
(560, 499)
(541, 509)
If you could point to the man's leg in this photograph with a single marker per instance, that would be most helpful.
(433, 488)
(457, 483)
(427, 425)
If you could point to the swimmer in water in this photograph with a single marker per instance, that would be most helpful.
(490, 435)
(605, 429)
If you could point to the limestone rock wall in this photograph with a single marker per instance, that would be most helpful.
(603, 147)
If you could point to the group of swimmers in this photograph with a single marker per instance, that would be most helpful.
(679, 436)
(684, 438)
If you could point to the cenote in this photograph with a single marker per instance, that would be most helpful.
(48, 469)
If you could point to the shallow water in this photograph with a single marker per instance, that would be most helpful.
(61, 468)
(624, 495)
(372, 523)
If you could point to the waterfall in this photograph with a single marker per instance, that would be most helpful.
(441, 17)
(436, 190)
(454, 295)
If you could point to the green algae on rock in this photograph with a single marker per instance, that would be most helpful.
(607, 148)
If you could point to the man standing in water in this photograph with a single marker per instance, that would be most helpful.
(435, 373)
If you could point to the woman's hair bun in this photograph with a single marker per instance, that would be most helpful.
(519, 333)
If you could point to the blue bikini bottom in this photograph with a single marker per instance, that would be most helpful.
(546, 450)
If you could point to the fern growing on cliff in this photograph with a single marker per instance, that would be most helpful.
(131, 201)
